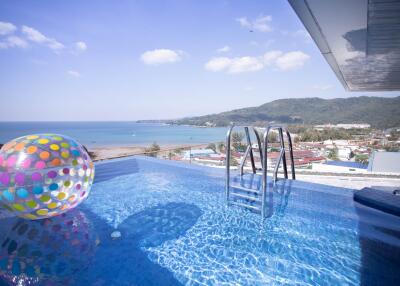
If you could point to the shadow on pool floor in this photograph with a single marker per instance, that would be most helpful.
(123, 262)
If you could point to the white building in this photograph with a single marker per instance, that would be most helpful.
(197, 153)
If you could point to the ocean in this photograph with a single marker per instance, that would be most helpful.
(99, 134)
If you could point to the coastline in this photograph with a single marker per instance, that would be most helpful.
(109, 152)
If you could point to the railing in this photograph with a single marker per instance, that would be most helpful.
(282, 154)
(249, 151)
(263, 150)
(281, 158)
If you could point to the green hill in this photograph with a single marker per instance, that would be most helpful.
(379, 112)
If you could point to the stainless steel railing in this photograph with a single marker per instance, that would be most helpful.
(249, 151)
(281, 158)
(263, 157)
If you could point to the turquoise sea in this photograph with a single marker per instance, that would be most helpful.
(94, 134)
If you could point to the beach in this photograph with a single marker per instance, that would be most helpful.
(102, 153)
(110, 152)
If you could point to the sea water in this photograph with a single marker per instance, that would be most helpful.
(96, 134)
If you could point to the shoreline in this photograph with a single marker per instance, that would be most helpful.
(109, 152)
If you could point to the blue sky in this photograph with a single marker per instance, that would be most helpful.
(129, 60)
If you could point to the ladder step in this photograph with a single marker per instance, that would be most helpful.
(253, 208)
(246, 197)
(238, 187)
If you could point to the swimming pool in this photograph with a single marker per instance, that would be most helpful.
(177, 230)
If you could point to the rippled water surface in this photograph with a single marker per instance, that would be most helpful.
(177, 230)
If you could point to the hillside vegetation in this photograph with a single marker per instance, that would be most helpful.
(379, 112)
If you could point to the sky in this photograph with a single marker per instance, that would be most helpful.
(136, 59)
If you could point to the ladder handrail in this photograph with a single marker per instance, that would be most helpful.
(263, 156)
(281, 130)
(291, 154)
(250, 150)
(228, 160)
(247, 133)
(278, 162)
(259, 145)
(282, 141)
(243, 160)
(253, 165)
(282, 156)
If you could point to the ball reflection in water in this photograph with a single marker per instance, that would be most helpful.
(52, 249)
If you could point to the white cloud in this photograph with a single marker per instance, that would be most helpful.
(161, 56)
(277, 59)
(37, 37)
(245, 64)
(243, 22)
(224, 49)
(218, 64)
(292, 60)
(7, 28)
(271, 57)
(80, 47)
(234, 65)
(322, 87)
(73, 73)
(260, 24)
(13, 41)
(34, 35)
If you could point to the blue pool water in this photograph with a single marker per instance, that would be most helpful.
(177, 230)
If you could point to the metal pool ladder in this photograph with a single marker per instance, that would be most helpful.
(251, 195)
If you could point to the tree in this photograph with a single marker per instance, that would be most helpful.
(333, 154)
(392, 148)
(233, 162)
(312, 135)
(212, 146)
(272, 137)
(362, 158)
(394, 136)
(153, 150)
(221, 147)
(237, 139)
(178, 151)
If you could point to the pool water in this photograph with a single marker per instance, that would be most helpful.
(176, 229)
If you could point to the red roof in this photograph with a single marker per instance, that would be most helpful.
(296, 154)
(220, 158)
(307, 161)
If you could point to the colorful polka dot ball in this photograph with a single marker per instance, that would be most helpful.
(44, 175)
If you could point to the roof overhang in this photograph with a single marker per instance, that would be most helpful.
(360, 39)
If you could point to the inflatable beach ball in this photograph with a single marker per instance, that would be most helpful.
(44, 175)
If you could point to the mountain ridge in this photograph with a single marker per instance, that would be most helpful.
(379, 112)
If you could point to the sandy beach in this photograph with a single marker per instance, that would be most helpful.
(110, 152)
